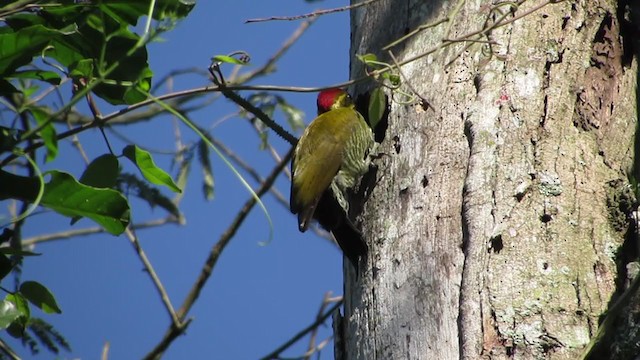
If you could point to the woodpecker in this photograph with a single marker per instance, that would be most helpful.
(328, 163)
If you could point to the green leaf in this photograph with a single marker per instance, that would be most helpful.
(82, 69)
(143, 160)
(102, 172)
(377, 106)
(8, 313)
(394, 79)
(172, 9)
(19, 47)
(131, 11)
(67, 196)
(18, 187)
(47, 133)
(126, 83)
(366, 58)
(46, 335)
(6, 266)
(228, 60)
(140, 88)
(40, 296)
(21, 304)
(100, 42)
(16, 330)
(295, 116)
(6, 88)
(184, 168)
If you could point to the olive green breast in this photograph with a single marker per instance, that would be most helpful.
(320, 153)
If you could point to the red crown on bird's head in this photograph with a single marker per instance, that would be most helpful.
(327, 99)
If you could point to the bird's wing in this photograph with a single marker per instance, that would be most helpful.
(317, 159)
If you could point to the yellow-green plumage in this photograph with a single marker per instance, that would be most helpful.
(331, 153)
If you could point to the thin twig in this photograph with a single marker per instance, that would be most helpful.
(414, 32)
(275, 353)
(474, 38)
(218, 79)
(105, 351)
(408, 83)
(75, 141)
(154, 277)
(269, 65)
(174, 73)
(469, 36)
(314, 332)
(7, 350)
(453, 15)
(18, 7)
(177, 94)
(94, 230)
(312, 14)
(249, 169)
(180, 159)
(216, 251)
(279, 130)
(37, 98)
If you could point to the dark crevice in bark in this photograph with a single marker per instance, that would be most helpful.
(581, 305)
(629, 18)
(620, 339)
(543, 118)
(362, 105)
(496, 244)
(338, 336)
(625, 338)
(372, 325)
(464, 296)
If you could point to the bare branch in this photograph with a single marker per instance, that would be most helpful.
(249, 169)
(275, 353)
(105, 351)
(7, 350)
(314, 332)
(178, 94)
(154, 277)
(216, 251)
(424, 101)
(269, 65)
(218, 79)
(63, 235)
(414, 32)
(313, 14)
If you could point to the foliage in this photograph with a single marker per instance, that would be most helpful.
(15, 310)
(96, 52)
(93, 48)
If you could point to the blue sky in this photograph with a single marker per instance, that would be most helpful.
(258, 296)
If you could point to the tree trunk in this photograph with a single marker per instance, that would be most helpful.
(499, 215)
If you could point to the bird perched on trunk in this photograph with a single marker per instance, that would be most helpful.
(328, 163)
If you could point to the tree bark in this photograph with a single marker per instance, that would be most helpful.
(498, 216)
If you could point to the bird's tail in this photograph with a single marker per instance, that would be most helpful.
(332, 217)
